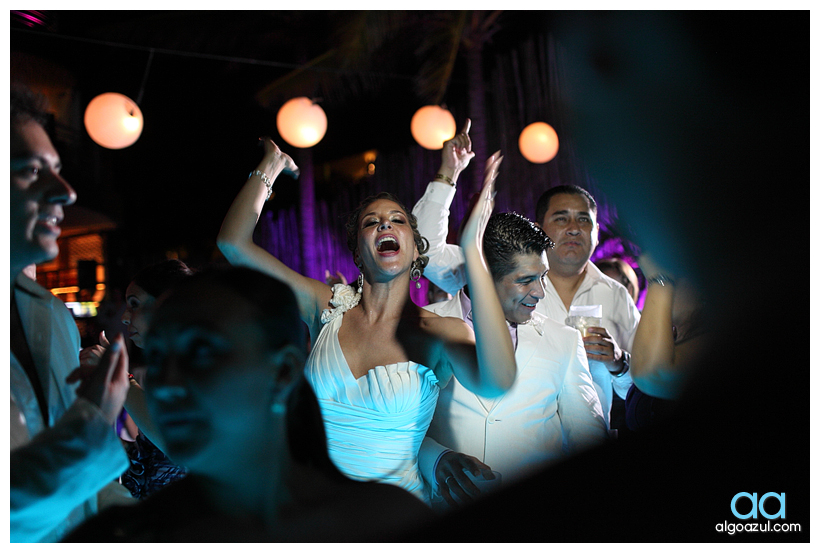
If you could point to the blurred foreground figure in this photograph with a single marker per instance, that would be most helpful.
(684, 95)
(226, 391)
(63, 448)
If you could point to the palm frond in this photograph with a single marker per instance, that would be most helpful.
(438, 50)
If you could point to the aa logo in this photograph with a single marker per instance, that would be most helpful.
(764, 506)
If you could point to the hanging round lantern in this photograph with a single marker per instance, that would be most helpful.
(301, 122)
(538, 142)
(432, 126)
(113, 120)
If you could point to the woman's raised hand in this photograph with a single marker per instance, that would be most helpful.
(473, 233)
(277, 160)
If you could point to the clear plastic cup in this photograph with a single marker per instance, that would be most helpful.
(581, 317)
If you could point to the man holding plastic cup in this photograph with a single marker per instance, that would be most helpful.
(551, 411)
(568, 214)
(553, 408)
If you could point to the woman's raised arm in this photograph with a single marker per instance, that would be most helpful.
(490, 369)
(235, 239)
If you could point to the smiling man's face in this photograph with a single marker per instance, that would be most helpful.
(38, 194)
(572, 225)
(522, 288)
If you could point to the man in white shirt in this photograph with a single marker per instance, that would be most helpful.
(552, 408)
(63, 446)
(568, 214)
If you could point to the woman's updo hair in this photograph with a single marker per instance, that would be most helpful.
(156, 279)
(352, 227)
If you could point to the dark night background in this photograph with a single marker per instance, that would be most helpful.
(733, 205)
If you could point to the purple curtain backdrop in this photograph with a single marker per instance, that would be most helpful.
(515, 97)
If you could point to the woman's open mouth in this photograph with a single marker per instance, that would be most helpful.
(387, 244)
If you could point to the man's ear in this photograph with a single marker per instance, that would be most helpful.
(289, 363)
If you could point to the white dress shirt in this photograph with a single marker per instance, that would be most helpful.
(552, 409)
(446, 269)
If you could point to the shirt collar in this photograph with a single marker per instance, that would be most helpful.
(25, 284)
(594, 275)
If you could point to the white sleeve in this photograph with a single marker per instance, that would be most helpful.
(446, 268)
(60, 468)
(628, 320)
(579, 408)
(429, 454)
(621, 384)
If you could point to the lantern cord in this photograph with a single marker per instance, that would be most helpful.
(145, 76)
(231, 59)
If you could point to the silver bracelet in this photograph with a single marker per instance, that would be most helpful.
(265, 179)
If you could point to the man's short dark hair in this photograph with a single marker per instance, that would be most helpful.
(27, 106)
(508, 234)
(544, 201)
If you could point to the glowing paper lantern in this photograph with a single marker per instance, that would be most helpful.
(113, 120)
(432, 126)
(301, 122)
(538, 143)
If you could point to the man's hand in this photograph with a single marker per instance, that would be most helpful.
(600, 346)
(453, 482)
(457, 153)
(92, 354)
(106, 384)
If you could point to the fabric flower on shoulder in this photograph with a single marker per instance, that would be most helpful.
(344, 298)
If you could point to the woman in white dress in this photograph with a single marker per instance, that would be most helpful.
(378, 360)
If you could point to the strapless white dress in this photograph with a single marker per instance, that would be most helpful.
(374, 424)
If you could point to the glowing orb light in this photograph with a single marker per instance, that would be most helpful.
(301, 122)
(538, 142)
(113, 120)
(432, 126)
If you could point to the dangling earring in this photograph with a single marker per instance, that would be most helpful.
(415, 274)
(360, 279)
(278, 408)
